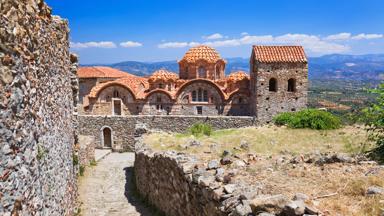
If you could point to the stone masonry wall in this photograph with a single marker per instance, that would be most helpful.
(179, 184)
(270, 103)
(123, 127)
(37, 98)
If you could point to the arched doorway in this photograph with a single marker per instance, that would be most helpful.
(107, 137)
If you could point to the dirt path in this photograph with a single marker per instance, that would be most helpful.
(105, 189)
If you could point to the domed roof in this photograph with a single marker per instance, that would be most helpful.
(163, 74)
(237, 76)
(202, 52)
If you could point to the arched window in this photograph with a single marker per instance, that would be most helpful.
(158, 99)
(202, 72)
(273, 85)
(291, 85)
(115, 94)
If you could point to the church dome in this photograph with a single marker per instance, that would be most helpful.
(237, 76)
(163, 75)
(201, 53)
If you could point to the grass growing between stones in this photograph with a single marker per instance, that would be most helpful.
(267, 140)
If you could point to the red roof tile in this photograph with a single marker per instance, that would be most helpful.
(268, 54)
(100, 72)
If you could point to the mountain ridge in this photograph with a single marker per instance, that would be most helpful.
(334, 66)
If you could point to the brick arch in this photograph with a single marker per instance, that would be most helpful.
(238, 94)
(95, 92)
(159, 91)
(214, 85)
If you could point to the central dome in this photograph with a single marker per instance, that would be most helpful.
(201, 53)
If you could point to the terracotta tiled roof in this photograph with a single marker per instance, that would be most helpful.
(201, 53)
(237, 76)
(163, 75)
(269, 54)
(136, 84)
(100, 72)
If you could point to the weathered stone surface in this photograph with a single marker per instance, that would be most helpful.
(294, 208)
(301, 196)
(160, 177)
(373, 190)
(37, 100)
(272, 204)
(213, 164)
(226, 160)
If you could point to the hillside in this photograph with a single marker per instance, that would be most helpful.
(354, 67)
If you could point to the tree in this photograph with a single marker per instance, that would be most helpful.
(374, 118)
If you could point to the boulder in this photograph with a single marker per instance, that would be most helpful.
(229, 188)
(244, 145)
(242, 210)
(213, 164)
(226, 160)
(294, 208)
(194, 142)
(269, 203)
(301, 196)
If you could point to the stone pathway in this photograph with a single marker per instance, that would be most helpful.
(101, 153)
(105, 189)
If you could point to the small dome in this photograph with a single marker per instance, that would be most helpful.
(202, 53)
(163, 75)
(237, 76)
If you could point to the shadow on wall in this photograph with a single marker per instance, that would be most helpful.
(133, 196)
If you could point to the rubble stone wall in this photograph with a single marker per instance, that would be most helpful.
(37, 96)
(166, 181)
(123, 127)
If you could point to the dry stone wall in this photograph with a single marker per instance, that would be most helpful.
(167, 181)
(37, 96)
(124, 127)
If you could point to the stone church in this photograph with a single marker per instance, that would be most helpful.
(278, 82)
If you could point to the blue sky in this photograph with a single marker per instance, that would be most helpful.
(148, 30)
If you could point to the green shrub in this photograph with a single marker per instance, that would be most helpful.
(81, 170)
(309, 118)
(374, 120)
(75, 159)
(200, 129)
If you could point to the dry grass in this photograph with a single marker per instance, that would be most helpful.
(268, 140)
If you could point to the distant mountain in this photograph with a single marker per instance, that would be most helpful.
(355, 67)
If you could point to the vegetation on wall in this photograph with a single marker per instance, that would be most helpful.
(309, 118)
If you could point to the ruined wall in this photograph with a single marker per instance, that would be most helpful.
(123, 127)
(37, 87)
(269, 103)
(179, 184)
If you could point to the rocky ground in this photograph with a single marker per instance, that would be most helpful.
(106, 189)
(316, 182)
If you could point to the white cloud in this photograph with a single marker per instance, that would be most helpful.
(340, 36)
(312, 43)
(367, 36)
(92, 44)
(129, 44)
(214, 36)
(177, 44)
(244, 33)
